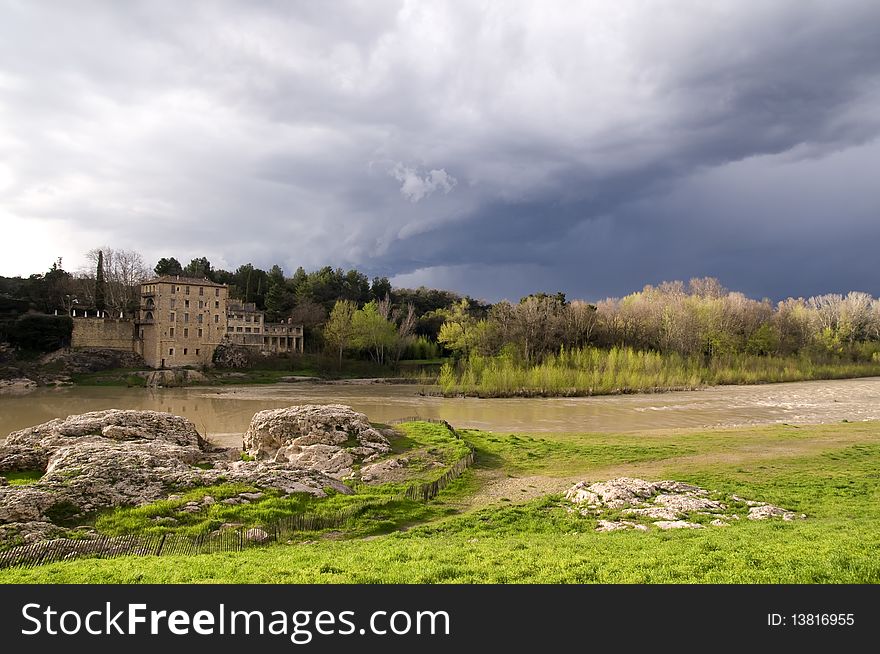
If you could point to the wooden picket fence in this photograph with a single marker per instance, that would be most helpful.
(224, 540)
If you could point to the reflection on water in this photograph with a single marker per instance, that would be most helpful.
(224, 413)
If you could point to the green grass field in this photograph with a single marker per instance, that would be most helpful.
(504, 520)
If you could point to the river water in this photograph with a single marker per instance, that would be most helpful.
(223, 413)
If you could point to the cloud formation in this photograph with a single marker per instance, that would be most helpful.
(415, 187)
(589, 147)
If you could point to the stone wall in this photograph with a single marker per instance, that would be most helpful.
(110, 333)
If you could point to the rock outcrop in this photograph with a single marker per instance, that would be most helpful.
(122, 458)
(17, 386)
(326, 438)
(667, 504)
(112, 424)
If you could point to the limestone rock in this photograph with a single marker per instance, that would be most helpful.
(113, 424)
(129, 458)
(615, 494)
(686, 503)
(327, 438)
(667, 503)
(256, 535)
(677, 524)
(22, 457)
(22, 533)
(654, 512)
(767, 511)
(619, 525)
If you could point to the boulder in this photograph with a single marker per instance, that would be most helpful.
(614, 494)
(326, 438)
(677, 524)
(667, 503)
(117, 458)
(619, 525)
(15, 458)
(767, 511)
(112, 424)
(22, 533)
(256, 535)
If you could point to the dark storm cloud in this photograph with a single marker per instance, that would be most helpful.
(587, 147)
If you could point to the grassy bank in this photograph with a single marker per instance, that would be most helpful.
(592, 371)
(504, 521)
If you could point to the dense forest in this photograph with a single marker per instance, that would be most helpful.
(347, 314)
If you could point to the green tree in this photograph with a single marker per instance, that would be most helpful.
(457, 332)
(373, 332)
(198, 268)
(55, 286)
(170, 266)
(339, 330)
(380, 288)
(275, 296)
(100, 284)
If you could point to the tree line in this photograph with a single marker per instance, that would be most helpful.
(699, 318)
(348, 314)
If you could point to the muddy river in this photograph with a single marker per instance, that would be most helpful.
(223, 413)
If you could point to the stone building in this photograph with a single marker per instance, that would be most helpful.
(182, 321)
(247, 326)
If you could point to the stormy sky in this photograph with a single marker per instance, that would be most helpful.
(494, 148)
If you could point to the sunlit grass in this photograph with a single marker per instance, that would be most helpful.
(828, 472)
(594, 371)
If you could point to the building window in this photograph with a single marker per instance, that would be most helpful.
(171, 332)
(171, 351)
(187, 290)
(171, 316)
(186, 304)
(229, 329)
(238, 329)
(186, 332)
(178, 289)
(216, 292)
(247, 330)
(172, 290)
(216, 318)
(186, 317)
(201, 305)
(216, 305)
(201, 290)
(184, 351)
(173, 302)
(201, 318)
(200, 333)
(197, 351)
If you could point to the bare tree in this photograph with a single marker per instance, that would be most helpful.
(124, 271)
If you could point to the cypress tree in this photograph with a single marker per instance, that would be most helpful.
(100, 301)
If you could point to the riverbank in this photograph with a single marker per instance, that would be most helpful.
(20, 373)
(593, 371)
(506, 521)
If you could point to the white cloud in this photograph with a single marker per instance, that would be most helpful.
(414, 187)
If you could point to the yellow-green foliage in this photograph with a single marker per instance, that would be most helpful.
(594, 371)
